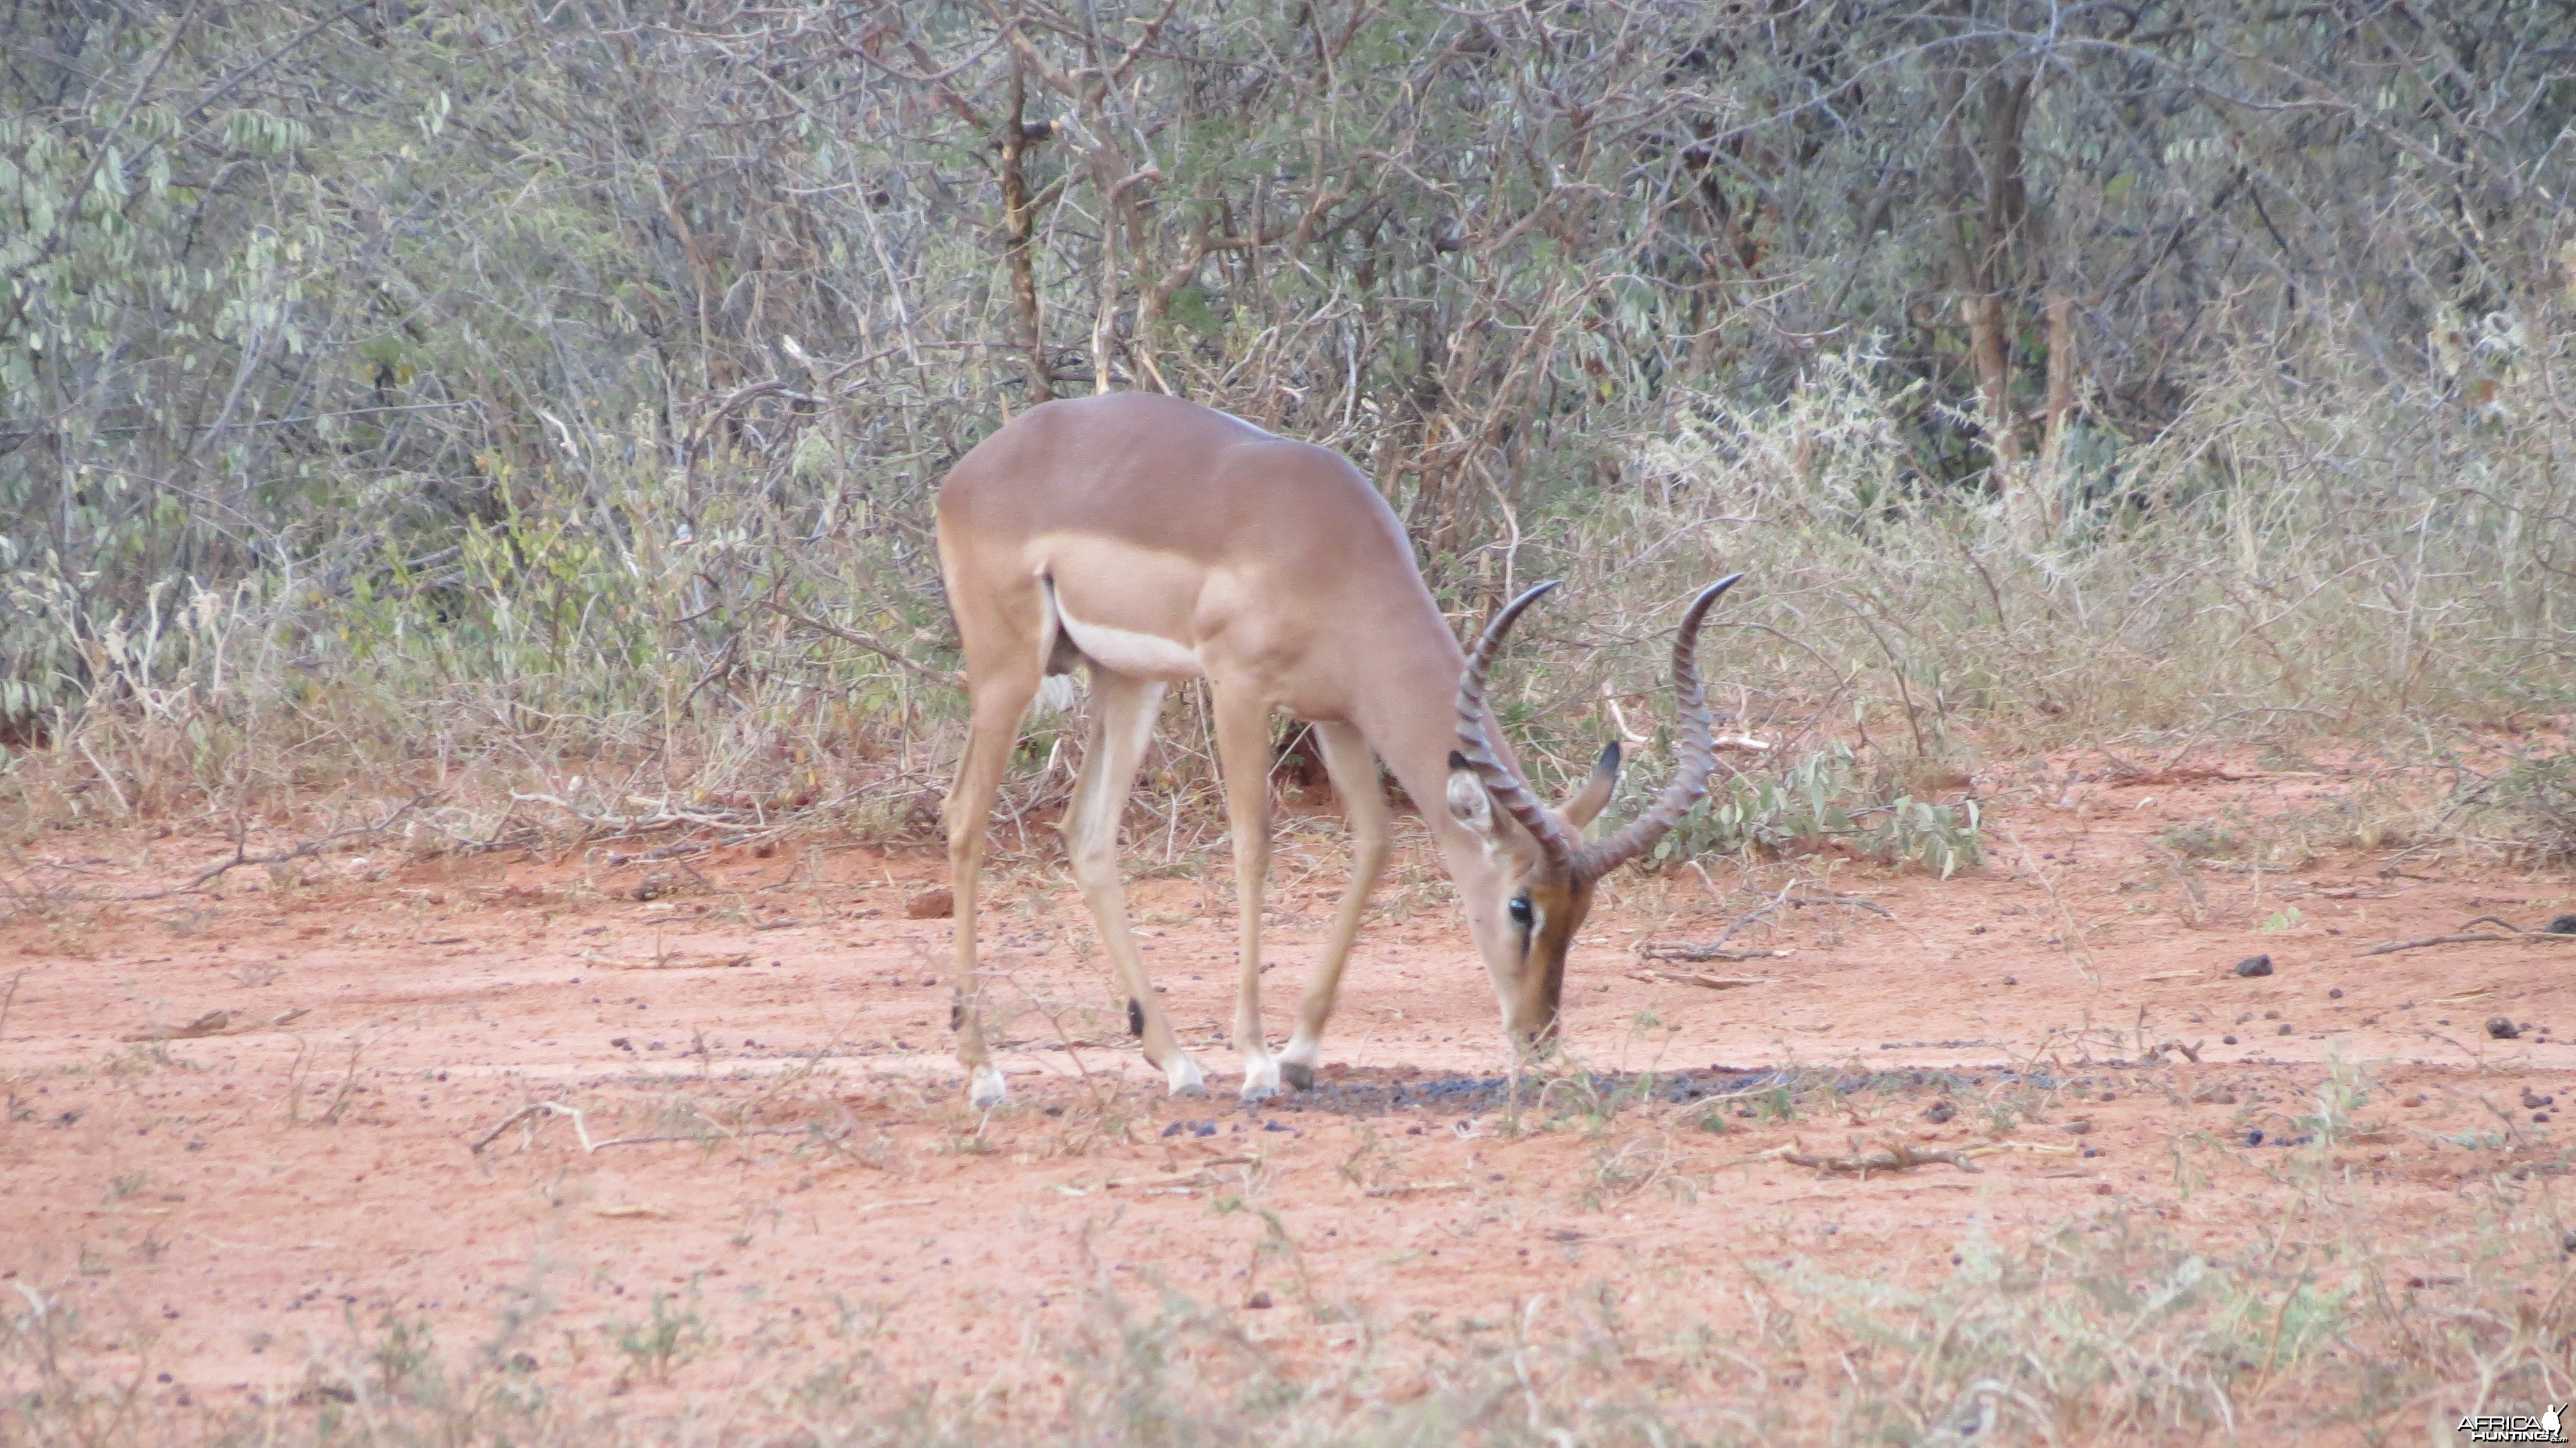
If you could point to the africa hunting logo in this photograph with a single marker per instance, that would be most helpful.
(2517, 1427)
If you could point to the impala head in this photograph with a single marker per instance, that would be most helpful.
(1539, 875)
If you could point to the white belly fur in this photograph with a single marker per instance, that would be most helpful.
(1137, 655)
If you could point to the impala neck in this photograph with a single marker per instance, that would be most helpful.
(1409, 711)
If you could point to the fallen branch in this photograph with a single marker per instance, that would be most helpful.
(240, 857)
(668, 819)
(1404, 1189)
(2466, 936)
(1712, 982)
(1894, 1156)
(310, 847)
(1860, 902)
(733, 961)
(2180, 776)
(212, 1023)
(1684, 950)
(1716, 949)
(581, 1127)
(1167, 1179)
(674, 852)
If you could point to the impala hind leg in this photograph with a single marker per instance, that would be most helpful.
(999, 704)
(1243, 756)
(1122, 721)
(1353, 767)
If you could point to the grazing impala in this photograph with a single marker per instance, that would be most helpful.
(1155, 540)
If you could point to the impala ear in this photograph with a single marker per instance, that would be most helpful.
(1469, 804)
(1587, 803)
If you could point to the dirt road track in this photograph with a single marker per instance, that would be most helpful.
(227, 1207)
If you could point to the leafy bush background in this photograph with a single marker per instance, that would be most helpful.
(500, 400)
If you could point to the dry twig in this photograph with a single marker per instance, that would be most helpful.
(2466, 936)
(1683, 950)
(581, 1127)
(873, 645)
(1692, 977)
(1894, 1156)
(213, 1023)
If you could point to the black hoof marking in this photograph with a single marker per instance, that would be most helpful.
(1135, 1017)
(1297, 1075)
(956, 1015)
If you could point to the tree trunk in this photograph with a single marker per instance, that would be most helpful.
(1019, 227)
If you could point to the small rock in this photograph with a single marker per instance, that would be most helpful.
(929, 904)
(2227, 1040)
(2254, 1138)
(2285, 1029)
(1939, 1111)
(1258, 1301)
(2563, 925)
(655, 886)
(2540, 1118)
(2012, 980)
(2080, 1128)
(2336, 994)
(2416, 1100)
(2502, 1029)
(2254, 965)
(2567, 1242)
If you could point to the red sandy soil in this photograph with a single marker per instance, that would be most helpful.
(232, 1204)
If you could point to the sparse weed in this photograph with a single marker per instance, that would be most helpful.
(2529, 807)
(2345, 1090)
(665, 1339)
(1777, 1104)
(1824, 798)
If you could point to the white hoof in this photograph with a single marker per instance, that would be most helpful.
(1185, 1077)
(1260, 1079)
(986, 1089)
(1297, 1065)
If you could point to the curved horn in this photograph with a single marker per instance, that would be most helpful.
(1699, 752)
(1477, 748)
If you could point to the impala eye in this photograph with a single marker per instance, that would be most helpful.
(1522, 915)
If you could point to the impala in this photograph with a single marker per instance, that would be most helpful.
(1153, 540)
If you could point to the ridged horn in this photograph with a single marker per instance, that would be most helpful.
(1698, 751)
(1474, 746)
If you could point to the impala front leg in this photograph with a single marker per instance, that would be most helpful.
(1243, 753)
(1353, 767)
